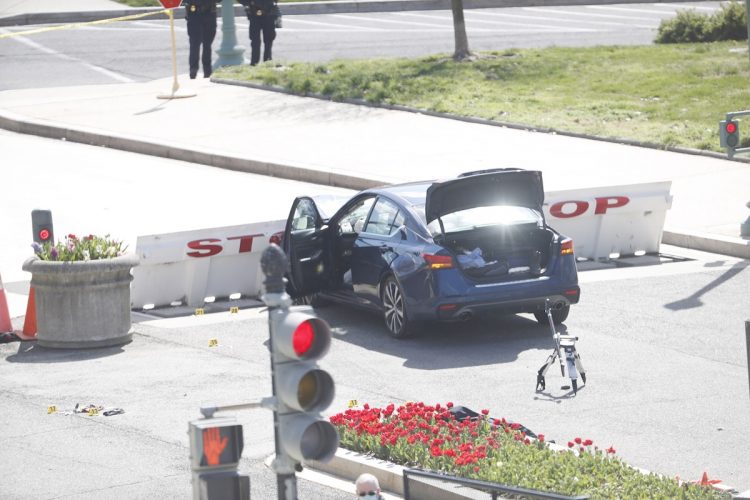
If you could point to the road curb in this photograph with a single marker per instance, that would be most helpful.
(724, 245)
(9, 121)
(349, 465)
(308, 8)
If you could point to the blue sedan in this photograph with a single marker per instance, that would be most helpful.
(435, 250)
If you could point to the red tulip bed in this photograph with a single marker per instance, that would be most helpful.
(494, 450)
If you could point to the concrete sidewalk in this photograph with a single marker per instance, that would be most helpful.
(346, 145)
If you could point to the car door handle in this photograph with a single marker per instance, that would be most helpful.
(385, 248)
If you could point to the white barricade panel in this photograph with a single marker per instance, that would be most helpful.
(188, 266)
(611, 221)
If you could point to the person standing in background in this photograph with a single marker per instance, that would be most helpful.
(262, 15)
(201, 27)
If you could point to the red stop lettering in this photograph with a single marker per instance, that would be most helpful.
(246, 242)
(556, 210)
(203, 248)
(603, 203)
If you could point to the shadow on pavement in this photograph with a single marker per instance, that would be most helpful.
(694, 300)
(481, 341)
(29, 352)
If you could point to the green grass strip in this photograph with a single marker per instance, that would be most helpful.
(670, 95)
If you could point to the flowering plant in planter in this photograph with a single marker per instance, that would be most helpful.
(80, 249)
(495, 450)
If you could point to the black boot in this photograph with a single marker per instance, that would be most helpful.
(193, 73)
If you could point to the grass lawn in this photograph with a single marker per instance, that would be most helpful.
(671, 95)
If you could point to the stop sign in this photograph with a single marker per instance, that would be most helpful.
(170, 4)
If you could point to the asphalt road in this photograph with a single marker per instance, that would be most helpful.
(663, 347)
(141, 50)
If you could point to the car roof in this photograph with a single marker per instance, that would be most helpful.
(413, 192)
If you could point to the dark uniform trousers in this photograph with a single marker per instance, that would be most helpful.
(201, 28)
(265, 25)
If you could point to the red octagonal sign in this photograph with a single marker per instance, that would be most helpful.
(170, 4)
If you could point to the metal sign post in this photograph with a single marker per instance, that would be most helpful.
(175, 84)
(747, 340)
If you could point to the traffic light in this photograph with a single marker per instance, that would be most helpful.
(301, 388)
(729, 134)
(215, 450)
(41, 225)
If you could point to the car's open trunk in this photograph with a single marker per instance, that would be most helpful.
(502, 252)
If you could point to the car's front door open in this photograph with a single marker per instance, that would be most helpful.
(306, 245)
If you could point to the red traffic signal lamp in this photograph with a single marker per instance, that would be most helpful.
(729, 134)
(41, 226)
(301, 388)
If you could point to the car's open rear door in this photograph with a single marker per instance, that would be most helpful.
(306, 245)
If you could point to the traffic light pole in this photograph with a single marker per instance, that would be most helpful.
(273, 263)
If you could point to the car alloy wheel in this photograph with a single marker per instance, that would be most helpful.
(394, 309)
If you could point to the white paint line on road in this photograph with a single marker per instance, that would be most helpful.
(621, 9)
(559, 19)
(471, 21)
(587, 14)
(389, 21)
(681, 6)
(111, 74)
(290, 19)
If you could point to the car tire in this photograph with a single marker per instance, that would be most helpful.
(558, 315)
(394, 309)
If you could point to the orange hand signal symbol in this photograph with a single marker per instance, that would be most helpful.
(213, 445)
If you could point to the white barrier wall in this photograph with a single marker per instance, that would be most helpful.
(611, 221)
(189, 266)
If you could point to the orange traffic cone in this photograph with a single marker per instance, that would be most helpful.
(5, 324)
(29, 323)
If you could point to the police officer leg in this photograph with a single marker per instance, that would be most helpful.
(269, 35)
(194, 34)
(255, 28)
(209, 33)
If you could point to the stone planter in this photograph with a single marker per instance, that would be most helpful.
(82, 304)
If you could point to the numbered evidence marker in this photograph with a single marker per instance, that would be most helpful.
(234, 310)
(51, 409)
(353, 403)
(93, 412)
(200, 312)
(213, 342)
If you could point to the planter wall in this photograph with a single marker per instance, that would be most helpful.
(82, 304)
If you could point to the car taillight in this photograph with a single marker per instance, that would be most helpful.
(566, 247)
(438, 261)
(276, 238)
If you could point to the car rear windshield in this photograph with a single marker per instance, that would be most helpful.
(476, 217)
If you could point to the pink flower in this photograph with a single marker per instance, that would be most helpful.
(577, 440)
(541, 438)
(588, 442)
(570, 444)
(485, 412)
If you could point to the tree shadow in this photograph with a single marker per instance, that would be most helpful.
(484, 340)
(30, 352)
(694, 301)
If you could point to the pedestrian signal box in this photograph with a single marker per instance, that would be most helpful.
(41, 226)
(215, 451)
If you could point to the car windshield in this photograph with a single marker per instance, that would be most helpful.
(472, 218)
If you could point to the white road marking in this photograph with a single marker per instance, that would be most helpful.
(111, 74)
(535, 27)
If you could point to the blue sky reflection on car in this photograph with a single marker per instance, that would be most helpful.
(434, 250)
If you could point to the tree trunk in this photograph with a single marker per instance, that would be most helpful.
(459, 31)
